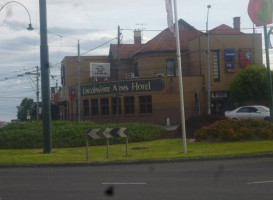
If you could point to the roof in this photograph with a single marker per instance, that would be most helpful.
(166, 41)
(224, 30)
(126, 50)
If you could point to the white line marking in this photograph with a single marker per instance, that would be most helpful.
(123, 183)
(260, 182)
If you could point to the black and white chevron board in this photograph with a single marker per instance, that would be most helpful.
(107, 133)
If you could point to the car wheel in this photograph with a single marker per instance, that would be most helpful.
(267, 118)
(234, 118)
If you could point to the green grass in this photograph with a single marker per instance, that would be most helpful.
(159, 149)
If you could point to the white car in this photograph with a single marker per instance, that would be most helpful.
(249, 112)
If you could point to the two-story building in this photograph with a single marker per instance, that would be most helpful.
(140, 80)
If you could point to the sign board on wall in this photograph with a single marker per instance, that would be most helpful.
(100, 70)
(230, 59)
(124, 87)
(245, 58)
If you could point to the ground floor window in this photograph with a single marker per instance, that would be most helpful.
(104, 103)
(114, 106)
(85, 107)
(129, 105)
(95, 107)
(145, 104)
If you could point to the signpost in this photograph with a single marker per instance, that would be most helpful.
(106, 133)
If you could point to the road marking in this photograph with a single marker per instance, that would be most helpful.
(260, 182)
(123, 183)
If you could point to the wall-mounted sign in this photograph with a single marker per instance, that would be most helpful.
(229, 54)
(230, 60)
(100, 70)
(230, 67)
(122, 86)
(245, 56)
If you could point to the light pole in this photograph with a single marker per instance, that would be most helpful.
(208, 60)
(46, 104)
(269, 80)
(30, 28)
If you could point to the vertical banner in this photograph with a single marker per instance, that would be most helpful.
(230, 60)
(245, 58)
(169, 9)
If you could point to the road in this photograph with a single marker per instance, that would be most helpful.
(222, 179)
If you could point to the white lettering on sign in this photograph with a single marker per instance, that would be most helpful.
(141, 87)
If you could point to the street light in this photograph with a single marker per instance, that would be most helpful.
(208, 60)
(29, 28)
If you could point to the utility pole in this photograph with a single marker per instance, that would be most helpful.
(46, 105)
(117, 76)
(37, 93)
(37, 89)
(79, 82)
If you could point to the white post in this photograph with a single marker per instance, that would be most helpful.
(208, 61)
(79, 83)
(180, 79)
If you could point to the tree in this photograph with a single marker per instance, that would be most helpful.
(250, 85)
(25, 108)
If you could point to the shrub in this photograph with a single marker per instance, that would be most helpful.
(70, 134)
(234, 130)
(197, 122)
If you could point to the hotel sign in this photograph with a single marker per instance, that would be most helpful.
(123, 86)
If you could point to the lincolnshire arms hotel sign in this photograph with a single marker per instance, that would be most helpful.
(124, 87)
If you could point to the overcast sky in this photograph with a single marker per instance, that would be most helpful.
(92, 22)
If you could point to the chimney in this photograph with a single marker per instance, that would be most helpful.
(137, 36)
(237, 23)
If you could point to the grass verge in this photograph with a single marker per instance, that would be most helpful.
(159, 149)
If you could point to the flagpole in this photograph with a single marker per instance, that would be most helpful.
(180, 79)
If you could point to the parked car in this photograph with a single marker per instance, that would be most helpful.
(249, 112)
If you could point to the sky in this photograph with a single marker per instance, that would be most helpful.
(92, 23)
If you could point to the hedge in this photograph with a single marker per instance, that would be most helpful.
(235, 130)
(25, 135)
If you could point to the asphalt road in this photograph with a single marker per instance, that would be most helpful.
(222, 179)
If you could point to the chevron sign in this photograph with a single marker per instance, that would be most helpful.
(106, 133)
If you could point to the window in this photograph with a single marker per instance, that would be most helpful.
(85, 107)
(114, 105)
(104, 103)
(216, 66)
(244, 110)
(170, 67)
(135, 70)
(129, 105)
(95, 107)
(145, 104)
(63, 75)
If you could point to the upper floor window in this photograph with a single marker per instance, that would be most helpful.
(216, 66)
(170, 64)
(135, 69)
(63, 75)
